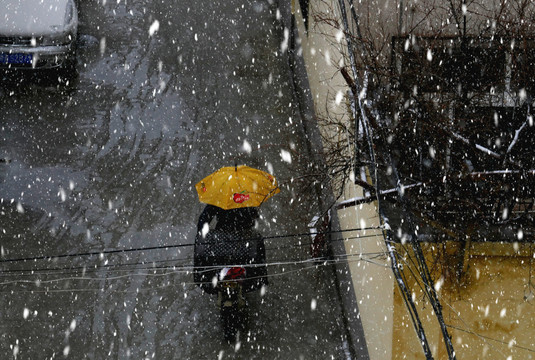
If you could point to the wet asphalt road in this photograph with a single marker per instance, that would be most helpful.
(169, 92)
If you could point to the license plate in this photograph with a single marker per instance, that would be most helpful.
(16, 58)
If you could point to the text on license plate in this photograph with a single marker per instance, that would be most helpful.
(15, 58)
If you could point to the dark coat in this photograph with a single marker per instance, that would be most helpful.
(228, 220)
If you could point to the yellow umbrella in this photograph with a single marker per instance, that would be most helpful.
(235, 187)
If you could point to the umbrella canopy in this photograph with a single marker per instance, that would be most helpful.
(236, 187)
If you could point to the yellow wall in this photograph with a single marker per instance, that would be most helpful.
(490, 308)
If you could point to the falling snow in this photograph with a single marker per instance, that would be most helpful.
(98, 207)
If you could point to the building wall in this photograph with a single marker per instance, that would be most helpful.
(487, 308)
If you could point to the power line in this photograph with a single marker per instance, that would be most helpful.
(142, 289)
(170, 264)
(489, 338)
(129, 267)
(143, 265)
(188, 269)
(167, 247)
(94, 267)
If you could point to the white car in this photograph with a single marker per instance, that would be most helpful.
(38, 34)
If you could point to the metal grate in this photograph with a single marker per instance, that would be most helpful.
(16, 40)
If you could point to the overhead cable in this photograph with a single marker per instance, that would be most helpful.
(167, 247)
